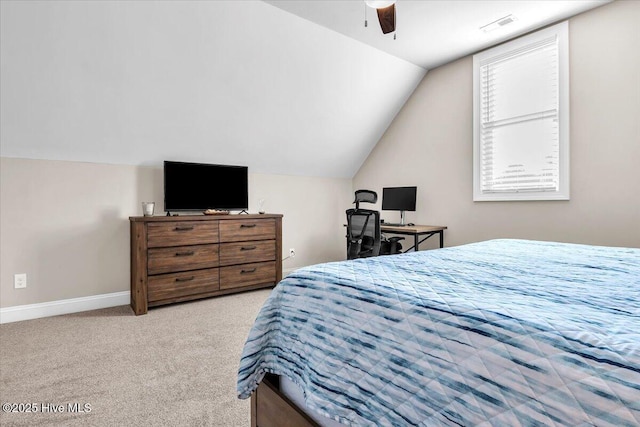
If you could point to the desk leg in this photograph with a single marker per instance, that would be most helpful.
(441, 239)
(416, 243)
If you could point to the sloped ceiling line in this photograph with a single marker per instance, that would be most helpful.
(141, 82)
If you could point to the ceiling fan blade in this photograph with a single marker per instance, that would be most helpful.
(387, 18)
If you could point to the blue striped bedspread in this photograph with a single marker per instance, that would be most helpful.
(500, 333)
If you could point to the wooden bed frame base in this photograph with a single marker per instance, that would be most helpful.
(271, 408)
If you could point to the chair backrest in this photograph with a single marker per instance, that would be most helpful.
(368, 196)
(363, 233)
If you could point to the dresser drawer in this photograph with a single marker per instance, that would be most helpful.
(181, 233)
(238, 230)
(248, 274)
(247, 252)
(168, 286)
(182, 258)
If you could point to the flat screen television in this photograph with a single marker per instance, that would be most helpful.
(200, 186)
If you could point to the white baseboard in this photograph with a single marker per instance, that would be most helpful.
(74, 305)
(56, 308)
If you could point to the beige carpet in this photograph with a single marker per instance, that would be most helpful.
(174, 366)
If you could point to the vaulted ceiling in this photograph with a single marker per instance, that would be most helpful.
(430, 33)
(229, 82)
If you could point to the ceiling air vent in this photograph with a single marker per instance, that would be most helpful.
(505, 20)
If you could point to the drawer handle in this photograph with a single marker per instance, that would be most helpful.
(185, 279)
(247, 225)
(184, 228)
(186, 253)
(251, 270)
(247, 248)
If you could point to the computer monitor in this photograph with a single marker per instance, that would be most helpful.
(399, 199)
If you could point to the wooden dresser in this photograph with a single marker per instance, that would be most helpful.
(181, 258)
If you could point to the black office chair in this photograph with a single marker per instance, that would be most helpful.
(363, 227)
(364, 238)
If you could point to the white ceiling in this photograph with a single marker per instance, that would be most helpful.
(228, 82)
(431, 33)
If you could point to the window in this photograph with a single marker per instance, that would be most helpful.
(521, 118)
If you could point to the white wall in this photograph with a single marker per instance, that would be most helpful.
(66, 224)
(314, 214)
(430, 143)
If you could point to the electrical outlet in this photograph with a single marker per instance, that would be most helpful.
(20, 281)
(292, 253)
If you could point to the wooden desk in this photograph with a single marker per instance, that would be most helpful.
(417, 231)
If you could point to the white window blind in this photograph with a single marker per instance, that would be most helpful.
(520, 146)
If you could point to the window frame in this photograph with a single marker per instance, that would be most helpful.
(561, 31)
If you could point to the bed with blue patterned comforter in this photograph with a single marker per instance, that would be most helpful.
(504, 332)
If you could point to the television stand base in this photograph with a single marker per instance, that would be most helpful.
(243, 211)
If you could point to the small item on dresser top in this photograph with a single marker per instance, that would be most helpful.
(216, 212)
(148, 208)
